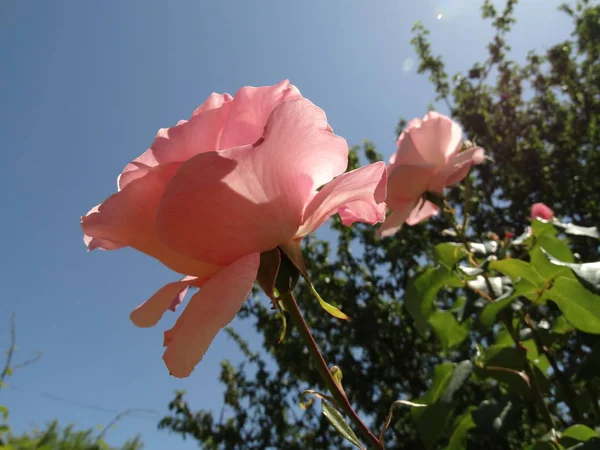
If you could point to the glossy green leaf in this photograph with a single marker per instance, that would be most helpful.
(588, 274)
(562, 326)
(580, 306)
(543, 266)
(336, 419)
(515, 269)
(462, 425)
(577, 433)
(421, 293)
(4, 412)
(432, 420)
(533, 355)
(491, 310)
(545, 236)
(448, 254)
(448, 330)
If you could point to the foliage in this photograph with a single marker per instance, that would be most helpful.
(67, 438)
(502, 346)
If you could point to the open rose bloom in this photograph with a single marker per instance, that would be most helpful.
(428, 159)
(240, 177)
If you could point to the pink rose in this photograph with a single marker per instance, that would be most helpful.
(541, 211)
(239, 178)
(427, 160)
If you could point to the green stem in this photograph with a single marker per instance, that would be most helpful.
(289, 302)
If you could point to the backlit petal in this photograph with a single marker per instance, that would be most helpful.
(432, 140)
(393, 223)
(357, 196)
(222, 206)
(168, 297)
(424, 210)
(407, 183)
(128, 218)
(457, 168)
(208, 311)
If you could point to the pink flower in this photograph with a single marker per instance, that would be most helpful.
(427, 160)
(541, 211)
(239, 178)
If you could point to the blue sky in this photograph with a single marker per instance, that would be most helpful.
(85, 87)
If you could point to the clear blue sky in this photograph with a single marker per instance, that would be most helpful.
(84, 87)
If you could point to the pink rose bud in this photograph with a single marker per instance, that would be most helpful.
(242, 176)
(541, 211)
(428, 159)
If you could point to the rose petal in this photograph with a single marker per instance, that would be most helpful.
(96, 243)
(214, 101)
(128, 218)
(220, 122)
(179, 143)
(424, 210)
(396, 219)
(208, 311)
(357, 196)
(456, 169)
(250, 111)
(168, 297)
(432, 141)
(222, 206)
(407, 183)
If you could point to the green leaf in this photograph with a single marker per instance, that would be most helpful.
(432, 419)
(462, 425)
(580, 306)
(422, 290)
(448, 330)
(588, 274)
(544, 267)
(491, 310)
(545, 236)
(577, 433)
(421, 293)
(562, 326)
(336, 419)
(448, 254)
(533, 355)
(515, 269)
